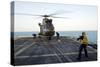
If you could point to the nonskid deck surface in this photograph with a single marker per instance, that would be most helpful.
(29, 51)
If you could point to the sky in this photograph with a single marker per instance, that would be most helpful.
(79, 17)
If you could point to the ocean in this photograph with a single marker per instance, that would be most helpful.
(92, 35)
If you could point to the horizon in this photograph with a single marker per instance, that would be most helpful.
(66, 31)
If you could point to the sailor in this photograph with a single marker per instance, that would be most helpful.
(34, 36)
(41, 29)
(84, 42)
(57, 34)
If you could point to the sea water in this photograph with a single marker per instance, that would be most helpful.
(92, 35)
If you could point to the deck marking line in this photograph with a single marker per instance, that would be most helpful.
(55, 54)
(19, 46)
(45, 55)
(23, 49)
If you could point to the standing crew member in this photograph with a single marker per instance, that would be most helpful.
(41, 29)
(57, 35)
(84, 42)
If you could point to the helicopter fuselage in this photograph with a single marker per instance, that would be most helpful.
(47, 28)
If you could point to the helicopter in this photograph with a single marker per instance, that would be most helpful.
(47, 29)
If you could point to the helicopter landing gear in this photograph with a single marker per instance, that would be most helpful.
(49, 37)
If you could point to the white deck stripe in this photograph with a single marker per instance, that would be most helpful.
(19, 46)
(55, 54)
(45, 55)
(63, 54)
(23, 49)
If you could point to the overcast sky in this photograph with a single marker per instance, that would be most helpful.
(80, 17)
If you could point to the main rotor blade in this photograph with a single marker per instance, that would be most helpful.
(27, 14)
(60, 17)
(57, 13)
(31, 14)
